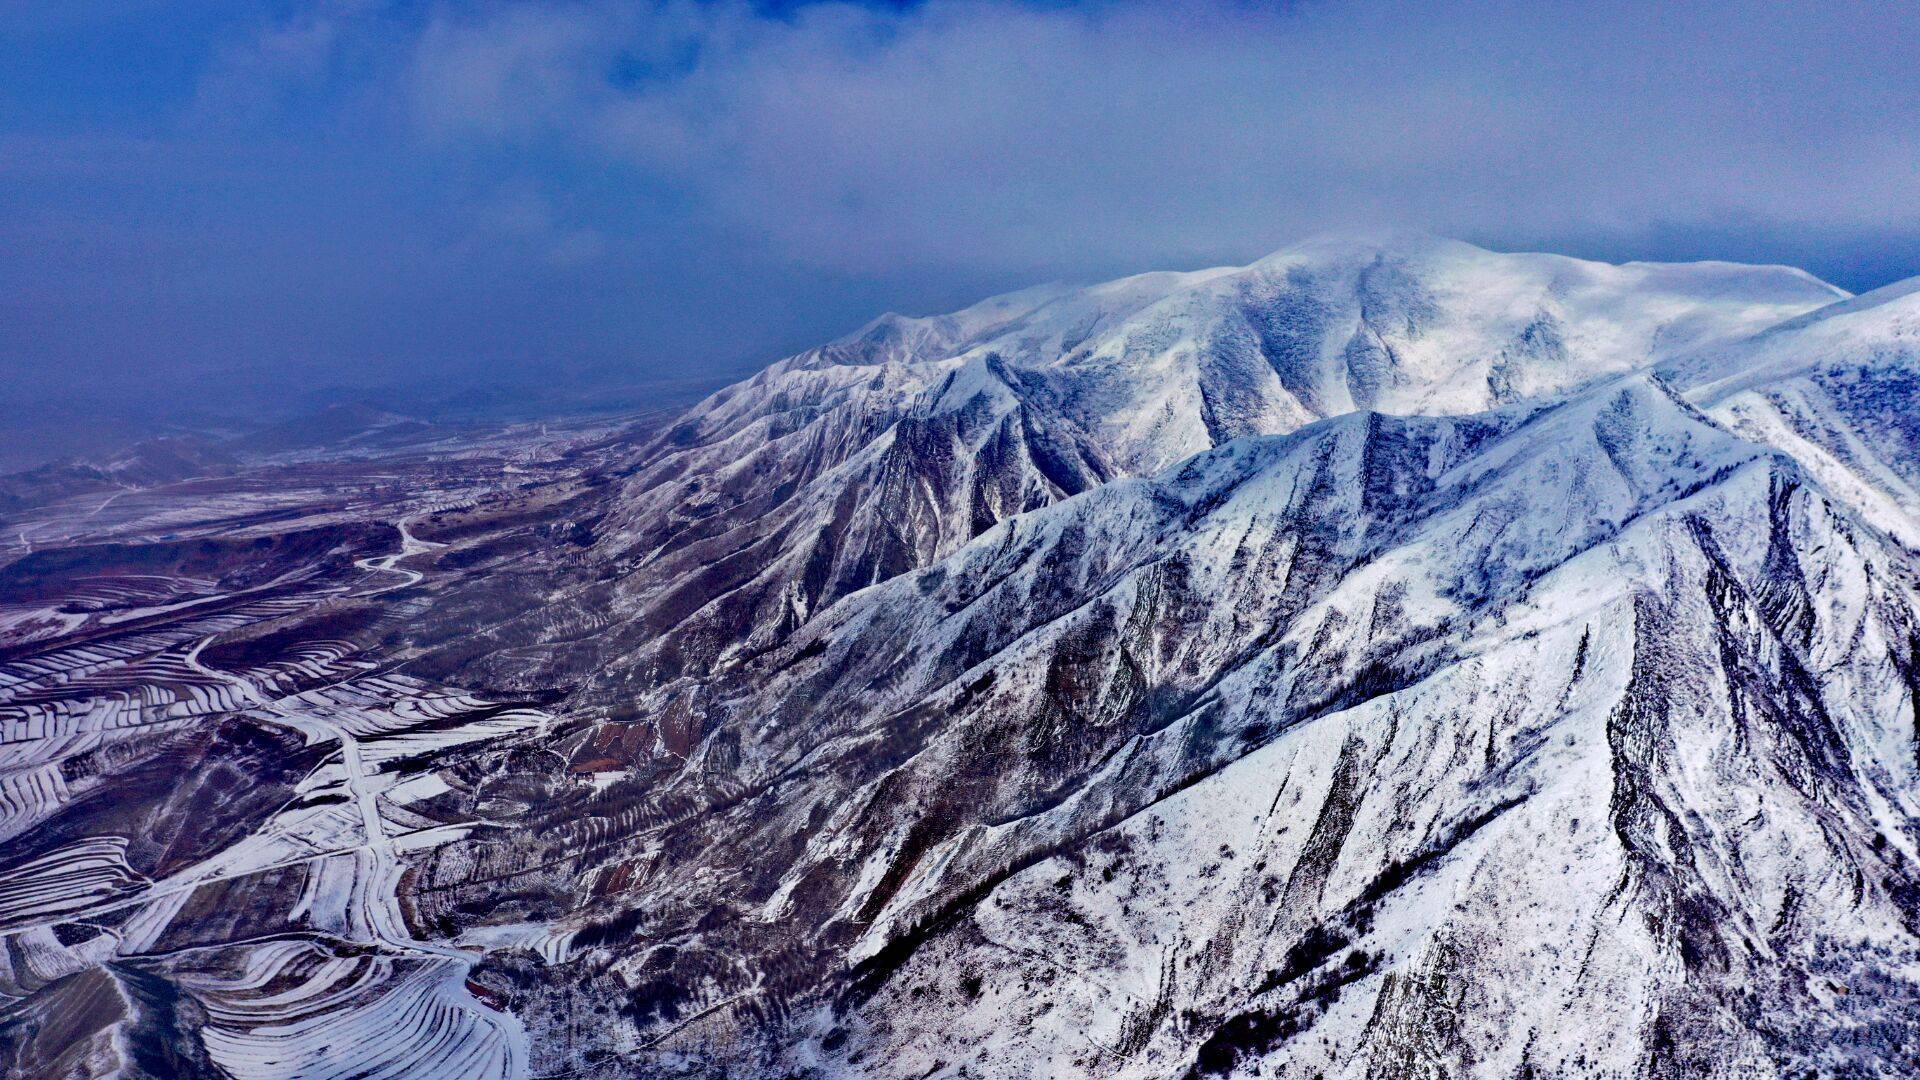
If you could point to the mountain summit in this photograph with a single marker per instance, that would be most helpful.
(848, 464)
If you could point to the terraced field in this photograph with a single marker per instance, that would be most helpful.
(216, 771)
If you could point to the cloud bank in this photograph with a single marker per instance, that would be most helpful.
(461, 188)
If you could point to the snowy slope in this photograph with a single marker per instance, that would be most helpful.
(1105, 682)
(849, 464)
(1162, 365)
(1572, 737)
(1839, 389)
(1396, 324)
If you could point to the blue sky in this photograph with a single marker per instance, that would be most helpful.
(203, 204)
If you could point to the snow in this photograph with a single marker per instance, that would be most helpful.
(1387, 656)
(1565, 581)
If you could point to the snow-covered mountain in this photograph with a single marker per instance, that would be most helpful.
(951, 716)
(1574, 737)
(849, 464)
(1389, 659)
(1156, 367)
(1839, 389)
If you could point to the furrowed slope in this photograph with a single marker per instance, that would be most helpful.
(850, 464)
(1575, 737)
(1837, 389)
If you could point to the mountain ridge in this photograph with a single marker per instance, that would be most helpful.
(1390, 659)
(1063, 639)
(1114, 380)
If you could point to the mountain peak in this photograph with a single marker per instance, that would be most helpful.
(1372, 241)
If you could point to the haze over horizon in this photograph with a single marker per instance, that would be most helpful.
(221, 207)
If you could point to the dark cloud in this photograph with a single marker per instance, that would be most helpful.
(357, 190)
